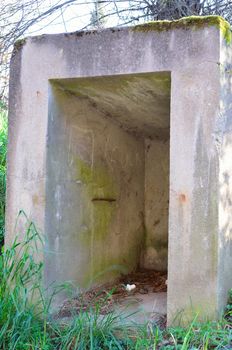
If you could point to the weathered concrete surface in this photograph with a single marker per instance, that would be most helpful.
(95, 195)
(156, 202)
(143, 308)
(197, 57)
(97, 131)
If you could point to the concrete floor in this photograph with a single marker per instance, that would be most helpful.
(137, 308)
(141, 308)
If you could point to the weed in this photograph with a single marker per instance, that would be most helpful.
(26, 322)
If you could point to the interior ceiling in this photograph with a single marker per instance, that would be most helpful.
(140, 103)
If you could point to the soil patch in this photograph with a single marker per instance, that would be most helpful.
(105, 297)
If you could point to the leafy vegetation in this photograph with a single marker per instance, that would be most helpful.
(26, 321)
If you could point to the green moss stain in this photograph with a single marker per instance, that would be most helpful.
(103, 214)
(104, 271)
(121, 85)
(101, 195)
(85, 237)
(226, 31)
(193, 22)
(92, 85)
(84, 171)
(99, 182)
(107, 268)
(18, 45)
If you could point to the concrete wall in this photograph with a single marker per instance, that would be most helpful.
(95, 194)
(156, 204)
(107, 187)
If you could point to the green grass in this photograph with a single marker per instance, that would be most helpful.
(26, 322)
(25, 312)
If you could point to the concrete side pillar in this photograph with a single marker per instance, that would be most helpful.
(156, 204)
(194, 193)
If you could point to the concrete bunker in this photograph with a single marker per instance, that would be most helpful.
(83, 170)
(107, 177)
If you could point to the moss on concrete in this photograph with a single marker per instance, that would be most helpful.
(101, 198)
(88, 88)
(226, 31)
(104, 271)
(102, 215)
(193, 22)
(99, 181)
(107, 268)
(19, 44)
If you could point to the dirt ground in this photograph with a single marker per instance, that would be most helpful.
(107, 296)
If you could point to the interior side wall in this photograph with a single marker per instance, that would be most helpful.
(95, 194)
(156, 204)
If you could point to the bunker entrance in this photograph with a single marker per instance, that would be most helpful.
(108, 183)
